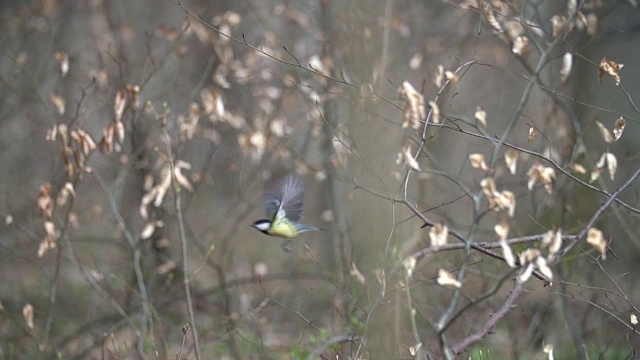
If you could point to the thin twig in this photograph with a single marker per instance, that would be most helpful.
(175, 188)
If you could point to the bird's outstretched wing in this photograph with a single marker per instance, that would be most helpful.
(283, 198)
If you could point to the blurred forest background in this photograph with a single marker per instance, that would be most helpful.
(472, 161)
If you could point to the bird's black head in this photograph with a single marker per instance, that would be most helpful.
(262, 225)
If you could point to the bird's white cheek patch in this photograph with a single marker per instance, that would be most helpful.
(263, 226)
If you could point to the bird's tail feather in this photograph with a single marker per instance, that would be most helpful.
(304, 228)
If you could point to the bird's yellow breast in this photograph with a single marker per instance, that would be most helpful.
(283, 228)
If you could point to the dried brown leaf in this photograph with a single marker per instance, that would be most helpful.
(578, 168)
(435, 112)
(481, 116)
(565, 69)
(610, 68)
(521, 45)
(356, 274)
(120, 104)
(477, 162)
(618, 128)
(543, 266)
(445, 278)
(502, 230)
(63, 59)
(438, 78)
(58, 103)
(438, 235)
(609, 160)
(532, 134)
(604, 132)
(405, 157)
(596, 239)
(180, 178)
(45, 202)
(508, 254)
(511, 159)
(414, 111)
(28, 314)
(409, 265)
(538, 173)
(134, 92)
(557, 22)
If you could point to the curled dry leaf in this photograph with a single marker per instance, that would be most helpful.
(45, 202)
(596, 239)
(618, 128)
(438, 78)
(508, 201)
(63, 59)
(543, 266)
(438, 235)
(414, 112)
(502, 230)
(610, 68)
(477, 162)
(511, 159)
(565, 69)
(64, 194)
(163, 185)
(557, 22)
(409, 265)
(406, 158)
(258, 144)
(488, 186)
(416, 61)
(27, 313)
(491, 18)
(498, 200)
(481, 116)
(445, 278)
(520, 45)
(606, 135)
(106, 143)
(526, 273)
(529, 256)
(508, 254)
(166, 267)
(58, 103)
(413, 350)
(134, 92)
(356, 274)
(179, 177)
(119, 130)
(539, 173)
(578, 168)
(213, 104)
(150, 228)
(119, 104)
(451, 77)
(532, 134)
(435, 112)
(552, 240)
(548, 349)
(84, 141)
(49, 240)
(513, 29)
(609, 160)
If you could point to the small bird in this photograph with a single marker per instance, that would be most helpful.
(283, 204)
